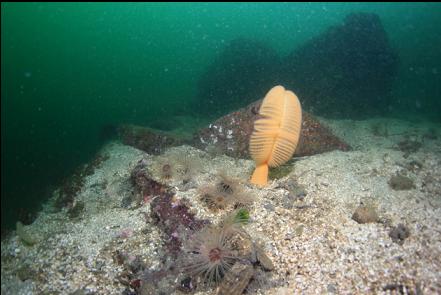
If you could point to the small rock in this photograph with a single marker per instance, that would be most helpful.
(236, 279)
(365, 214)
(186, 285)
(332, 288)
(399, 233)
(299, 230)
(126, 202)
(263, 259)
(287, 202)
(25, 273)
(76, 210)
(269, 207)
(400, 182)
(78, 292)
(409, 146)
(414, 166)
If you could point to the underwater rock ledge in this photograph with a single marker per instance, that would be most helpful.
(230, 135)
(346, 71)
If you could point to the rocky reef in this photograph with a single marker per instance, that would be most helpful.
(230, 134)
(346, 71)
(243, 72)
(147, 139)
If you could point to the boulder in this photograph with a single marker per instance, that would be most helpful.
(345, 72)
(231, 133)
(243, 72)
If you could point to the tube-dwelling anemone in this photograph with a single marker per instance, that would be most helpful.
(164, 168)
(189, 167)
(176, 167)
(166, 171)
(223, 193)
(209, 255)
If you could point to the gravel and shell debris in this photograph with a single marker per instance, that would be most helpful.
(313, 242)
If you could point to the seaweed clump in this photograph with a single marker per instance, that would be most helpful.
(146, 188)
(280, 171)
(175, 219)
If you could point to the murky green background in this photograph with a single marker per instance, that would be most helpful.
(69, 69)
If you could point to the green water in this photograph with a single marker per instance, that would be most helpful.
(69, 69)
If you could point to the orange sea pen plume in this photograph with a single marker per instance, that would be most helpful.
(276, 132)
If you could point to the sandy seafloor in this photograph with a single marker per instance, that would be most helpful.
(315, 245)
